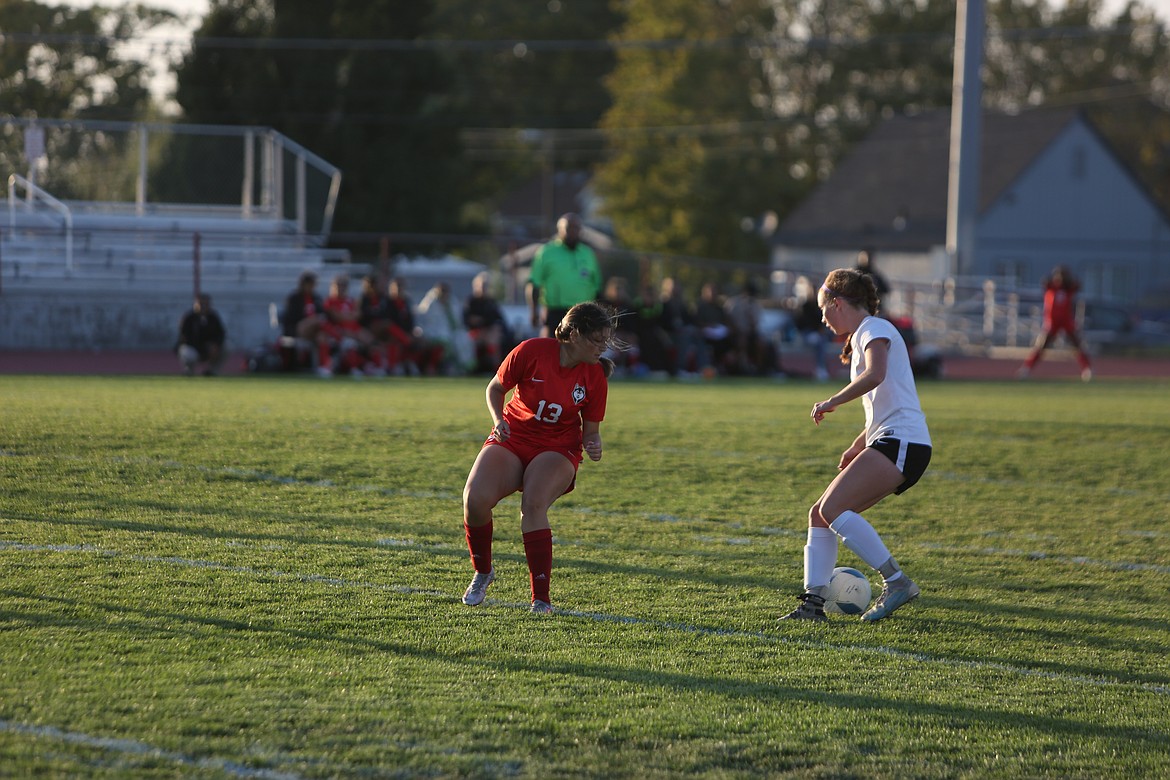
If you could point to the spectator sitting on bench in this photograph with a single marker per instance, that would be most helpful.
(486, 326)
(441, 319)
(303, 316)
(345, 333)
(406, 349)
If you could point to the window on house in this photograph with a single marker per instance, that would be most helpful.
(1108, 280)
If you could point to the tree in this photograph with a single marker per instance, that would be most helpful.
(62, 63)
(344, 80)
(693, 155)
(531, 87)
(873, 59)
(1113, 69)
(526, 67)
(59, 62)
(742, 106)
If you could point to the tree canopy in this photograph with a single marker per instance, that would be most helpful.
(699, 121)
(746, 105)
(60, 62)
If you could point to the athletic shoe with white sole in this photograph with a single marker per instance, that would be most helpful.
(476, 591)
(811, 608)
(894, 594)
(541, 608)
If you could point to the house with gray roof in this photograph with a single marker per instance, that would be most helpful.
(1051, 191)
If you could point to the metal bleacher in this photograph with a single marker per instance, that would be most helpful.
(81, 269)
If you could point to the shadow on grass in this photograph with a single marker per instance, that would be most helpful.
(1055, 626)
(728, 687)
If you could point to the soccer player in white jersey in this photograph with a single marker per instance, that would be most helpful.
(887, 457)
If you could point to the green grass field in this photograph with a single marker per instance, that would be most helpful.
(260, 577)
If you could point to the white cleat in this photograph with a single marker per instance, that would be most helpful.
(900, 593)
(476, 591)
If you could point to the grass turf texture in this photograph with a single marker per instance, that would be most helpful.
(260, 577)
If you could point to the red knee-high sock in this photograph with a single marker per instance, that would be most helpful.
(538, 551)
(479, 544)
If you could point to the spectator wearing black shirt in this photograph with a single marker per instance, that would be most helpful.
(201, 338)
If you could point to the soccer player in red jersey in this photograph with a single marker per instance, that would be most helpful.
(537, 438)
(1060, 290)
(342, 328)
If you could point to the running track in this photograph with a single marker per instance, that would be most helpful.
(1058, 367)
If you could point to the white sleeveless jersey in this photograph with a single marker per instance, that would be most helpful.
(892, 408)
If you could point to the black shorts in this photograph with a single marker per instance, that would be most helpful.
(553, 316)
(910, 458)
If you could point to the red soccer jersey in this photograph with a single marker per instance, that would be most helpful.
(550, 400)
(346, 311)
(1058, 305)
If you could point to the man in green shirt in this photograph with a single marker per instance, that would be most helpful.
(564, 273)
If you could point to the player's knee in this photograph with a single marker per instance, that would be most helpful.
(816, 517)
(533, 507)
(477, 505)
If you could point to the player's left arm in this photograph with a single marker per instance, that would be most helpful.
(591, 438)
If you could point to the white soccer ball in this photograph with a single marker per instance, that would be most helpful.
(849, 592)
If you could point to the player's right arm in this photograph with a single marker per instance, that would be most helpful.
(855, 449)
(495, 402)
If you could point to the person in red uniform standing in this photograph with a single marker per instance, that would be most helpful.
(537, 439)
(1060, 290)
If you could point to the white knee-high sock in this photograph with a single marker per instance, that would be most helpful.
(860, 537)
(820, 556)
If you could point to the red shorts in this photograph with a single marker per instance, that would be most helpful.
(526, 453)
(339, 330)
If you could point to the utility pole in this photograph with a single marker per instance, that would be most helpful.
(966, 136)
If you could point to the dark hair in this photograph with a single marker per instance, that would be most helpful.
(587, 319)
(855, 288)
(1067, 280)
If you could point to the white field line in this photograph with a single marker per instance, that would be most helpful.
(132, 747)
(923, 658)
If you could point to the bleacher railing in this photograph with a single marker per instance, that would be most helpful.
(145, 168)
(34, 193)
